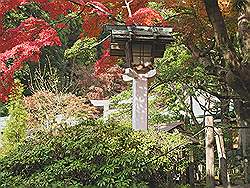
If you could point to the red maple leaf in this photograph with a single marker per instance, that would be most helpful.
(20, 45)
(146, 16)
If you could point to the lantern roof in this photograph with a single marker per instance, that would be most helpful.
(141, 33)
(158, 37)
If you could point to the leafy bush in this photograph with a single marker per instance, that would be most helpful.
(15, 129)
(82, 51)
(92, 154)
(47, 111)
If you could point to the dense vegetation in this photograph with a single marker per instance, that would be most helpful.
(93, 154)
(54, 57)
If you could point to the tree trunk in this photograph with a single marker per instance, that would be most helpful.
(244, 105)
(238, 75)
(209, 152)
(243, 113)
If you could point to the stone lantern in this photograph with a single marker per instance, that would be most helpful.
(139, 45)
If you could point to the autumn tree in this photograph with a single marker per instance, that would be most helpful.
(217, 35)
(17, 37)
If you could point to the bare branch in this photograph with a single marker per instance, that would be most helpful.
(128, 7)
(219, 96)
(98, 8)
(76, 3)
(100, 42)
(105, 12)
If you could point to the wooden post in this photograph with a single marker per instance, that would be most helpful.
(191, 168)
(222, 157)
(209, 152)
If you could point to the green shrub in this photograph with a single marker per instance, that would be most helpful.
(15, 129)
(82, 51)
(3, 110)
(92, 154)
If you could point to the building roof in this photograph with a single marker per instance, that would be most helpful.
(170, 126)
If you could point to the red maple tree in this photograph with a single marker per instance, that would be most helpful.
(24, 43)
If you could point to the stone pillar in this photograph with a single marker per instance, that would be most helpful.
(140, 103)
(104, 104)
(140, 97)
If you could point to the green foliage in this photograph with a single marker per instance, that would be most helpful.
(93, 154)
(178, 78)
(158, 113)
(183, 186)
(82, 51)
(72, 30)
(155, 5)
(122, 105)
(173, 84)
(3, 110)
(14, 17)
(122, 101)
(15, 130)
(170, 81)
(174, 65)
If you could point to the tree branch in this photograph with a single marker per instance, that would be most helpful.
(98, 8)
(127, 3)
(220, 31)
(219, 96)
(76, 3)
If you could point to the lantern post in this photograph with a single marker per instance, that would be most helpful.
(139, 45)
